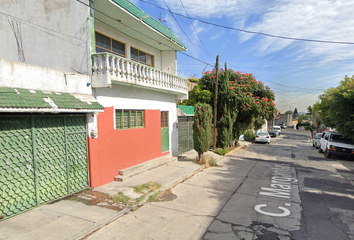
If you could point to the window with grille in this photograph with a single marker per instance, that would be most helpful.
(126, 119)
(106, 44)
(164, 119)
(141, 57)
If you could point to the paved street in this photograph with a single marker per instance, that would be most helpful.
(284, 190)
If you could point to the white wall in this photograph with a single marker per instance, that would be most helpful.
(164, 60)
(55, 33)
(22, 75)
(169, 62)
(121, 97)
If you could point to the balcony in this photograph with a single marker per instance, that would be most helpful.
(111, 69)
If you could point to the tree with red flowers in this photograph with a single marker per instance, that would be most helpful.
(241, 100)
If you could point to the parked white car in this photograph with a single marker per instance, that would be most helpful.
(262, 137)
(333, 143)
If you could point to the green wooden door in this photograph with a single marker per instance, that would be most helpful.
(42, 158)
(164, 132)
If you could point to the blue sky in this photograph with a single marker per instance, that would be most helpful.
(297, 71)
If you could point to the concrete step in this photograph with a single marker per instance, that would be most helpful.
(143, 167)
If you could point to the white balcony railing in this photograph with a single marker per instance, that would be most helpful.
(108, 68)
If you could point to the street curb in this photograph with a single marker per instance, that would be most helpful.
(87, 232)
(169, 185)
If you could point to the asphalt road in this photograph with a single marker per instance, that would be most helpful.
(283, 190)
(292, 192)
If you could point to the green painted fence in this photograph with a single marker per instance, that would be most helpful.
(42, 158)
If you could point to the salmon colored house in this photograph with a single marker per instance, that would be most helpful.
(134, 79)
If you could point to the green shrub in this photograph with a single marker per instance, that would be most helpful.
(219, 151)
(249, 136)
(222, 151)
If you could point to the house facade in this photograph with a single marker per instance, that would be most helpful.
(135, 79)
(47, 111)
(81, 97)
(286, 119)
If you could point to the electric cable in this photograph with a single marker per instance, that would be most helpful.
(195, 30)
(254, 32)
(182, 29)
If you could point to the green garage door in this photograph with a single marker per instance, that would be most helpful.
(42, 158)
(185, 134)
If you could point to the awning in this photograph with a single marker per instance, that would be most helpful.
(25, 100)
(187, 110)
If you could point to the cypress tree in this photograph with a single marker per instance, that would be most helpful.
(202, 128)
(226, 114)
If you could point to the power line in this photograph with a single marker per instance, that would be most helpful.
(195, 30)
(197, 59)
(254, 32)
(182, 28)
(293, 66)
(312, 89)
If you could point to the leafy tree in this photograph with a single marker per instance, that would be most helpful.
(316, 122)
(226, 113)
(337, 107)
(241, 99)
(198, 95)
(289, 112)
(301, 118)
(202, 128)
(296, 113)
(258, 123)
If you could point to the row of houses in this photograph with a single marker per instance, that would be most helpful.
(87, 88)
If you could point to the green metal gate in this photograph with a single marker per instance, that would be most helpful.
(42, 158)
(185, 134)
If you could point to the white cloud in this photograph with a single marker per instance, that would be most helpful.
(309, 19)
(329, 20)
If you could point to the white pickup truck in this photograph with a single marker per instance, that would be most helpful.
(333, 143)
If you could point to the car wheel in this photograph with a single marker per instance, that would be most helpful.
(327, 154)
(313, 145)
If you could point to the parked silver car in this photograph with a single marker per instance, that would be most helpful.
(263, 137)
(316, 140)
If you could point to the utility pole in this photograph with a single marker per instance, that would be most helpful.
(216, 100)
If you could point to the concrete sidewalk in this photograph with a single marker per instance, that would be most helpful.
(69, 218)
